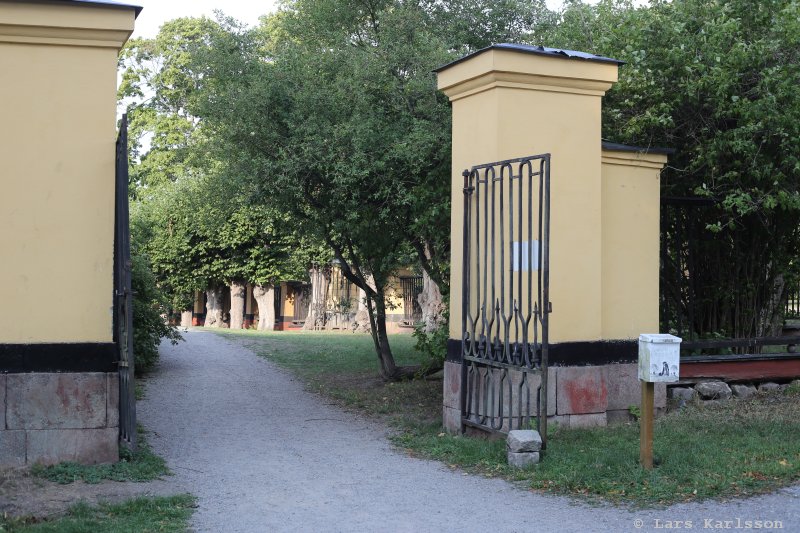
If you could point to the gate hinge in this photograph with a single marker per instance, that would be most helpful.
(123, 364)
(549, 307)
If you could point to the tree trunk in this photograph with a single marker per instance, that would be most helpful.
(430, 300)
(320, 277)
(214, 308)
(772, 311)
(186, 319)
(238, 293)
(265, 298)
(388, 368)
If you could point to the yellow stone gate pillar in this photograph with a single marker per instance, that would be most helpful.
(510, 101)
(59, 383)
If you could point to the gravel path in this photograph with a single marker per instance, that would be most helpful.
(263, 455)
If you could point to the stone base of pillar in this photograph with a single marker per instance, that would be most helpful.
(53, 417)
(579, 396)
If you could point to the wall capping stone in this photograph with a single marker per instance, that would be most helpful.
(494, 67)
(633, 159)
(62, 24)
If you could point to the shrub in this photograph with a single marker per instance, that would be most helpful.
(150, 310)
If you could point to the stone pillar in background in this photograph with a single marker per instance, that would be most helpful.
(430, 301)
(265, 298)
(320, 278)
(214, 308)
(186, 319)
(238, 292)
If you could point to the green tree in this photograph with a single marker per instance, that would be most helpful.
(157, 89)
(199, 228)
(333, 107)
(716, 81)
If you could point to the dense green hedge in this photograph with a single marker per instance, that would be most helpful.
(150, 310)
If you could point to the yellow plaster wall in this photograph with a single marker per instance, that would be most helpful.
(58, 117)
(630, 241)
(508, 105)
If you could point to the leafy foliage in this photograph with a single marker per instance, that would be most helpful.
(718, 83)
(194, 218)
(433, 345)
(344, 129)
(149, 309)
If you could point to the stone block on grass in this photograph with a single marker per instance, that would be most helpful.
(523, 460)
(686, 394)
(713, 390)
(769, 387)
(743, 391)
(524, 440)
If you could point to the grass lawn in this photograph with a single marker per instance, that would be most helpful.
(143, 465)
(344, 367)
(735, 449)
(140, 515)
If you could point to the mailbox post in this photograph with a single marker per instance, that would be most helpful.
(659, 361)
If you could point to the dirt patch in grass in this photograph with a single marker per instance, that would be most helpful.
(45, 492)
(401, 404)
(25, 495)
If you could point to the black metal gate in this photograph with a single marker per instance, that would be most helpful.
(506, 295)
(410, 288)
(123, 296)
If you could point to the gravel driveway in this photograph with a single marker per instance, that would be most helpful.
(263, 455)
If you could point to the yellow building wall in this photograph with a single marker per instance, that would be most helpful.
(395, 299)
(57, 135)
(507, 105)
(631, 226)
(288, 297)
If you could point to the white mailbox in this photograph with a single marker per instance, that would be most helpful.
(659, 357)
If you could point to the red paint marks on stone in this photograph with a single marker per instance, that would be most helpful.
(586, 395)
(455, 382)
(62, 393)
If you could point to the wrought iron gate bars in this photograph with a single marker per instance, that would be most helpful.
(410, 289)
(486, 358)
(123, 295)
